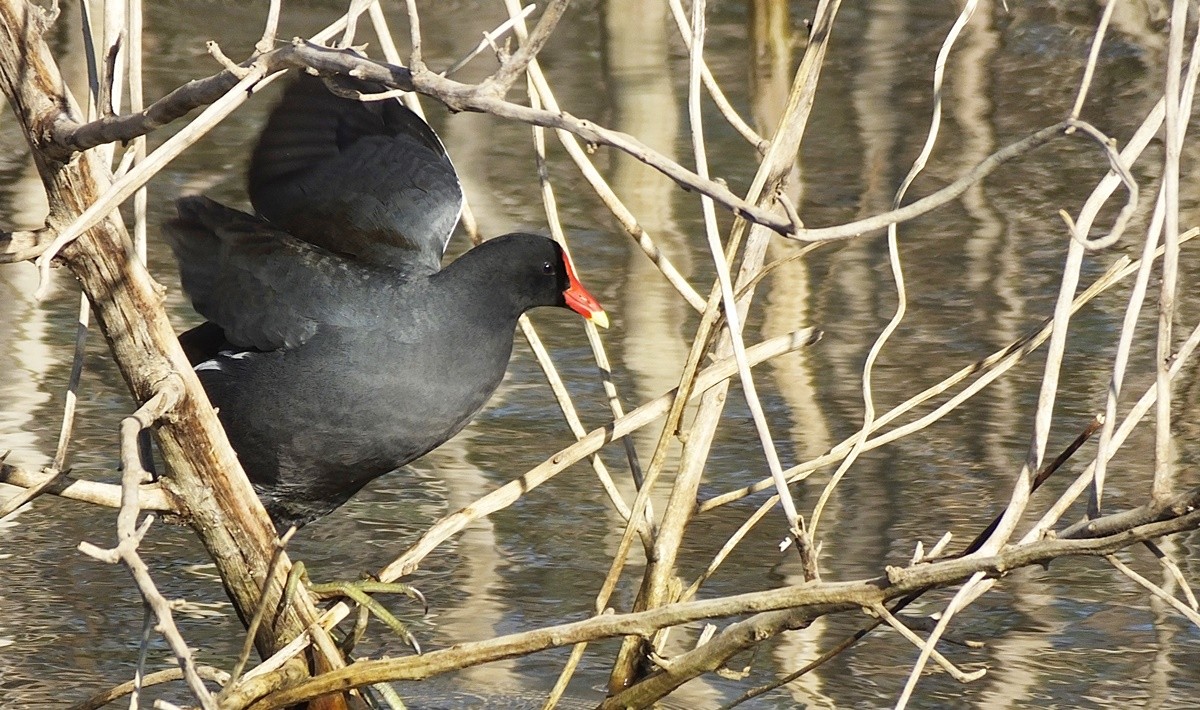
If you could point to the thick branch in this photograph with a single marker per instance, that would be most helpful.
(776, 610)
(204, 473)
(70, 136)
(1148, 513)
(746, 634)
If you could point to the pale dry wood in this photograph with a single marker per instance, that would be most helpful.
(1056, 349)
(59, 462)
(204, 482)
(890, 619)
(745, 634)
(1188, 612)
(152, 496)
(714, 89)
(1168, 564)
(725, 281)
(861, 633)
(23, 245)
(1055, 511)
(776, 165)
(1137, 295)
(486, 97)
(609, 197)
(134, 180)
(130, 535)
(991, 368)
(99, 700)
(1174, 125)
(1062, 313)
(137, 101)
(774, 610)
(489, 39)
(261, 609)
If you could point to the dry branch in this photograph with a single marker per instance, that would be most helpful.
(775, 610)
(776, 165)
(152, 497)
(205, 483)
(206, 488)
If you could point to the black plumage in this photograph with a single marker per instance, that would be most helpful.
(336, 350)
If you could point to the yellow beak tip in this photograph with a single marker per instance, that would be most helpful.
(599, 319)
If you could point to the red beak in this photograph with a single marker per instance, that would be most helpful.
(580, 301)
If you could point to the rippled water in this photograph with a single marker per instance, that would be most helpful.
(981, 272)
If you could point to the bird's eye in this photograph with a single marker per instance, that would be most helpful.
(547, 267)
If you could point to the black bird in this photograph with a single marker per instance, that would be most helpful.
(336, 349)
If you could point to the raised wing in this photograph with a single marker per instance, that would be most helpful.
(265, 289)
(365, 179)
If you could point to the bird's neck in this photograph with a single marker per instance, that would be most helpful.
(477, 287)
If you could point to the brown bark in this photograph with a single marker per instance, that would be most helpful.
(204, 476)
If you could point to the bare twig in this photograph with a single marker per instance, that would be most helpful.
(1154, 589)
(1081, 482)
(23, 246)
(151, 496)
(1174, 126)
(126, 186)
(809, 600)
(992, 367)
(137, 102)
(1090, 68)
(1168, 564)
(68, 421)
(892, 621)
(129, 533)
(99, 700)
(55, 471)
(714, 90)
(904, 601)
(499, 83)
(260, 610)
(489, 38)
(729, 301)
(414, 29)
(267, 42)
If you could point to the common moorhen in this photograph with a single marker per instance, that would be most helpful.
(335, 349)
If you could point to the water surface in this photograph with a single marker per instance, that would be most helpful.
(981, 272)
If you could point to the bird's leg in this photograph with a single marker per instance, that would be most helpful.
(360, 591)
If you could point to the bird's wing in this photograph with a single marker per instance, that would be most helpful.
(265, 289)
(365, 179)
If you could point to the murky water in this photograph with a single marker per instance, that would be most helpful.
(980, 272)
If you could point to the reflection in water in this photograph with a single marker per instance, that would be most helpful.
(981, 271)
(645, 105)
(992, 268)
(788, 301)
(25, 355)
(642, 74)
